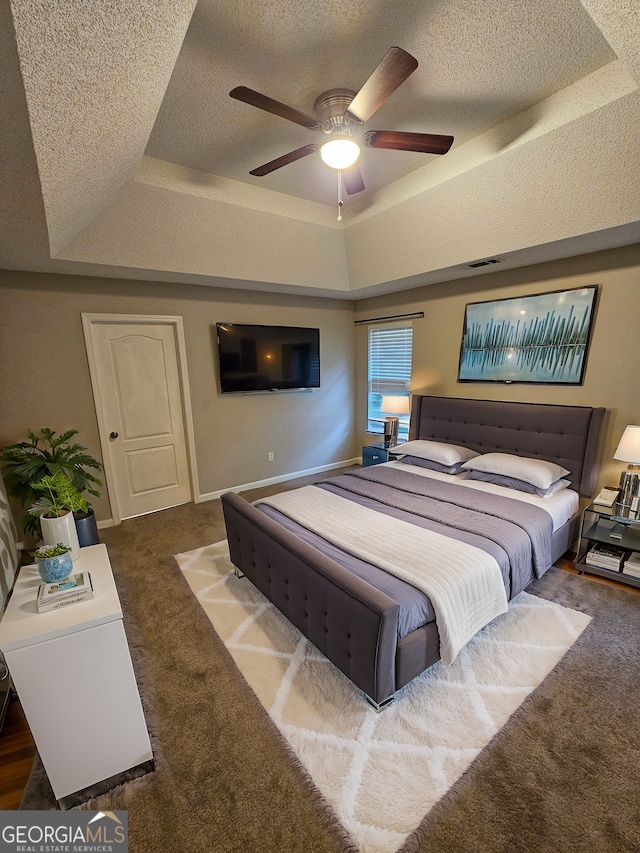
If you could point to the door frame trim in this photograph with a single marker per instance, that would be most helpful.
(89, 321)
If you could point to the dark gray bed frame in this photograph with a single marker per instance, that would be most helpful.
(351, 622)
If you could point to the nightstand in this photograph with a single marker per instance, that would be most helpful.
(609, 545)
(376, 453)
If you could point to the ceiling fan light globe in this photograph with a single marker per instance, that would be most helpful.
(340, 153)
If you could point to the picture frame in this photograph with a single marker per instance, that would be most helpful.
(541, 339)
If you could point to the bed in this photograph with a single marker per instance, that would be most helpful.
(373, 620)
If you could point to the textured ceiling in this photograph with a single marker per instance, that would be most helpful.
(126, 156)
(479, 63)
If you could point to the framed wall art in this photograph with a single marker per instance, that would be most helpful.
(539, 339)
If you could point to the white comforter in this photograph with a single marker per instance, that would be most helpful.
(463, 582)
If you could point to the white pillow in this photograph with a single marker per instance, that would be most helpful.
(437, 451)
(512, 482)
(556, 487)
(538, 472)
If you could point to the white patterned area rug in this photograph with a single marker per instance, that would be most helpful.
(381, 772)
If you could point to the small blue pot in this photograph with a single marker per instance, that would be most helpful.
(54, 569)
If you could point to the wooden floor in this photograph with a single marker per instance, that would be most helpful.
(17, 748)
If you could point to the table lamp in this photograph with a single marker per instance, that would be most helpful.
(628, 450)
(395, 405)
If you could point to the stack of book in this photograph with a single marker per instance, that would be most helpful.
(605, 557)
(632, 565)
(52, 596)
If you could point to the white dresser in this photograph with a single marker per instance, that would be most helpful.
(73, 674)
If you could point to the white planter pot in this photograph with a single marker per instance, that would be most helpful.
(61, 529)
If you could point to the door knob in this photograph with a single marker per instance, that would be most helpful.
(113, 435)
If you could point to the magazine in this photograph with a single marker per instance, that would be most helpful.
(604, 557)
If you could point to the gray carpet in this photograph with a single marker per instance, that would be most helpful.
(563, 775)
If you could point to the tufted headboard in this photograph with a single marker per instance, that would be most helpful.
(567, 435)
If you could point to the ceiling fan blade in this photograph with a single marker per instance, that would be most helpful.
(394, 69)
(249, 96)
(399, 140)
(352, 179)
(279, 162)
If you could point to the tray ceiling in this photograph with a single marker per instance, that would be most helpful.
(128, 158)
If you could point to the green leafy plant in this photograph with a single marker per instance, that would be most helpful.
(58, 496)
(24, 464)
(45, 552)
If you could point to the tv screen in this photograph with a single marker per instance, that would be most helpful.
(267, 358)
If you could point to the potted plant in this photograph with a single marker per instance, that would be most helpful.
(27, 462)
(54, 562)
(59, 499)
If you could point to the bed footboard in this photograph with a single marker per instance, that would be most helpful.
(348, 620)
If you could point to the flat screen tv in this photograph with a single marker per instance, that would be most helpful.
(267, 358)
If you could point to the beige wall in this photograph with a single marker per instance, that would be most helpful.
(45, 381)
(612, 377)
(45, 376)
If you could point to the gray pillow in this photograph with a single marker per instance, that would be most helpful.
(435, 466)
(519, 485)
(538, 472)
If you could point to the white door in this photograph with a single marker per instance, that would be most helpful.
(139, 383)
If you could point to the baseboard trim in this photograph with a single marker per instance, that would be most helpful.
(211, 496)
(282, 478)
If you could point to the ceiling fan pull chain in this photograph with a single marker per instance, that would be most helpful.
(339, 195)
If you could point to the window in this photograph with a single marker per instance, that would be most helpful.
(389, 373)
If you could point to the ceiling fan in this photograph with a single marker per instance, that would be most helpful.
(338, 110)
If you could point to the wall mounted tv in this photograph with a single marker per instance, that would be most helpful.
(267, 358)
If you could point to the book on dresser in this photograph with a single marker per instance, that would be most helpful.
(52, 596)
(604, 557)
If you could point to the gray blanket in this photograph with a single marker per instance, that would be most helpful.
(521, 530)
(463, 583)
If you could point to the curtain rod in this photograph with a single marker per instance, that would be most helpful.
(392, 317)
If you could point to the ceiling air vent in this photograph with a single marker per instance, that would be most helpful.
(484, 263)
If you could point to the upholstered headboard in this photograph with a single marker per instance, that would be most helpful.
(567, 435)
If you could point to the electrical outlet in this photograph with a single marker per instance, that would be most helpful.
(270, 456)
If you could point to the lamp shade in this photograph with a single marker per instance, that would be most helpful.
(340, 152)
(628, 449)
(395, 405)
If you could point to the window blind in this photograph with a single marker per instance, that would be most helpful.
(389, 371)
(390, 359)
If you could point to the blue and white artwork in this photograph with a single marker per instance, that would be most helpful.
(541, 338)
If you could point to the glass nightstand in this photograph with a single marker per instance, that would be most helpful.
(609, 545)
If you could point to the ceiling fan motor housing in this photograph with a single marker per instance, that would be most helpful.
(331, 106)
